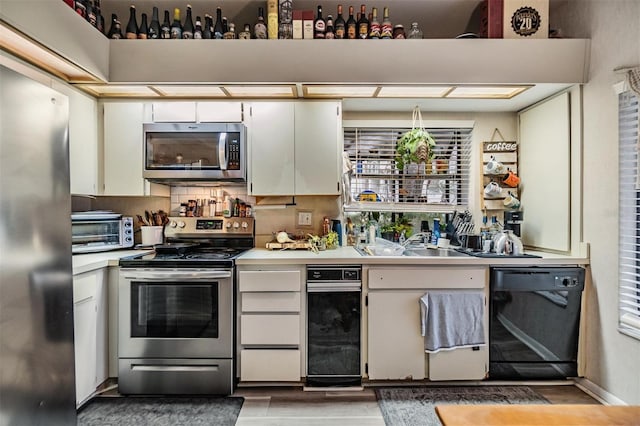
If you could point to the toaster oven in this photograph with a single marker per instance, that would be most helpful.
(97, 231)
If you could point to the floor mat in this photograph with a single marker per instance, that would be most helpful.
(414, 406)
(142, 411)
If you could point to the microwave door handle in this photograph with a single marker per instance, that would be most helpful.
(222, 151)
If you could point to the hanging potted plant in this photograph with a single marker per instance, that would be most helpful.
(414, 149)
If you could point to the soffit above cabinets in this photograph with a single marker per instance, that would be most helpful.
(389, 74)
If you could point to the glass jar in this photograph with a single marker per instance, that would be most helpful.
(415, 32)
(398, 32)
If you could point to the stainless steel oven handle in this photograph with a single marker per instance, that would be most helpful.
(175, 275)
(174, 368)
(222, 151)
(333, 287)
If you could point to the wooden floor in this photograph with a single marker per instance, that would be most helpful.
(293, 406)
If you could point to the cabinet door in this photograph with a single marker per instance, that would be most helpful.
(84, 330)
(270, 365)
(396, 348)
(83, 140)
(318, 136)
(219, 112)
(271, 148)
(102, 327)
(123, 149)
(174, 112)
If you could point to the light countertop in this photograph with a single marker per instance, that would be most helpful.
(344, 255)
(91, 261)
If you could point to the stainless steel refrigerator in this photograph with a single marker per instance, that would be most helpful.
(37, 383)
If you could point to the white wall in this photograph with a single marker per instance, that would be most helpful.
(614, 28)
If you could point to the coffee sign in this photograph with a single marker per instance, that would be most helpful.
(500, 146)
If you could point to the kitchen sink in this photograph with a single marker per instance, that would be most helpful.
(433, 252)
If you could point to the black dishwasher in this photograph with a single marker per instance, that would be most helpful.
(534, 322)
(333, 325)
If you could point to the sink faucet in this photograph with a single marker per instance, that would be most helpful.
(417, 239)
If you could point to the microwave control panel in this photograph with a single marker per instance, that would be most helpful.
(234, 152)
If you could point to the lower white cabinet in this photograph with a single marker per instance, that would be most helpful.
(90, 332)
(270, 325)
(395, 344)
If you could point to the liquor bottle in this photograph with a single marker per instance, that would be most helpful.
(386, 30)
(81, 8)
(207, 31)
(339, 25)
(351, 27)
(187, 29)
(246, 33)
(176, 26)
(70, 3)
(165, 28)
(319, 25)
(132, 25)
(415, 32)
(100, 18)
(115, 32)
(217, 29)
(363, 23)
(272, 19)
(374, 26)
(154, 28)
(330, 32)
(143, 31)
(260, 28)
(91, 13)
(197, 33)
(230, 33)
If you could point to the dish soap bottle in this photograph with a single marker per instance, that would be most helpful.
(436, 232)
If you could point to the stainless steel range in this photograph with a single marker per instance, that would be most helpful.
(176, 309)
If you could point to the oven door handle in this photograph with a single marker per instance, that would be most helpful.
(175, 275)
(333, 287)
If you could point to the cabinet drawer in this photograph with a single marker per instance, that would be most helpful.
(270, 329)
(283, 301)
(269, 281)
(426, 278)
(277, 365)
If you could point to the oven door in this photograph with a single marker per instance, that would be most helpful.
(175, 313)
(178, 151)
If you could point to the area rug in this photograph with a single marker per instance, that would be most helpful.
(415, 406)
(142, 411)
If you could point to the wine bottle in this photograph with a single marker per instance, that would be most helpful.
(91, 13)
(272, 19)
(132, 25)
(386, 29)
(197, 33)
(246, 33)
(374, 25)
(351, 26)
(100, 18)
(143, 31)
(176, 26)
(339, 25)
(363, 23)
(70, 3)
(187, 29)
(165, 28)
(207, 31)
(154, 28)
(81, 8)
(115, 31)
(217, 29)
(260, 28)
(229, 29)
(319, 25)
(330, 32)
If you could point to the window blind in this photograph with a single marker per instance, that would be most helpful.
(629, 211)
(441, 185)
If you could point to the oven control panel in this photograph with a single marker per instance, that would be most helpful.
(203, 226)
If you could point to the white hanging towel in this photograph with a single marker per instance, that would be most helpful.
(452, 319)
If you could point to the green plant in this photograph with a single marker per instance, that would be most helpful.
(331, 239)
(414, 146)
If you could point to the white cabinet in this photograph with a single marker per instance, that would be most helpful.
(219, 112)
(295, 148)
(395, 345)
(318, 147)
(123, 151)
(174, 112)
(270, 330)
(271, 148)
(90, 332)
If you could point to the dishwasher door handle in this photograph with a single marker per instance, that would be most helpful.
(333, 287)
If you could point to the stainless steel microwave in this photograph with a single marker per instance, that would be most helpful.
(195, 152)
(97, 231)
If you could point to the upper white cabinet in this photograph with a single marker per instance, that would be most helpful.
(271, 148)
(294, 148)
(174, 112)
(83, 140)
(219, 112)
(318, 147)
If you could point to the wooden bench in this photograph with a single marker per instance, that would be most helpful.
(538, 415)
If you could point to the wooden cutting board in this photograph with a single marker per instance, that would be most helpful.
(296, 245)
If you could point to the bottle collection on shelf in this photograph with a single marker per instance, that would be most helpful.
(282, 22)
